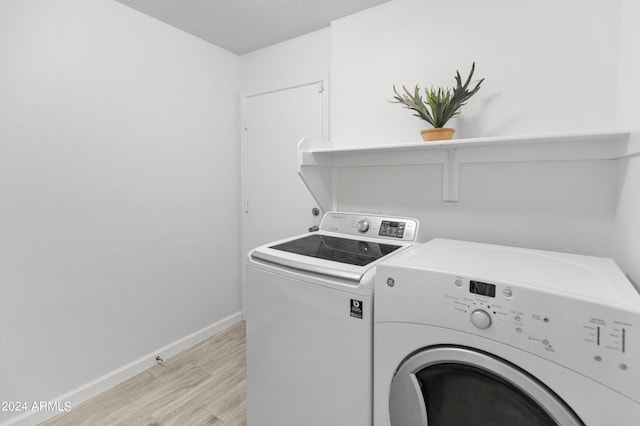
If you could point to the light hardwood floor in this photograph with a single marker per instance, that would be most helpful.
(204, 385)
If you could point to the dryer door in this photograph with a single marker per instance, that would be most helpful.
(442, 386)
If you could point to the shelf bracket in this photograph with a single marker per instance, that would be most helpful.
(450, 176)
(319, 177)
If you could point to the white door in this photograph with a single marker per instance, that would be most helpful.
(277, 204)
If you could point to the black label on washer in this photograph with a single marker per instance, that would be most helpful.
(356, 308)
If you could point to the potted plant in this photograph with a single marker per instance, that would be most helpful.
(439, 106)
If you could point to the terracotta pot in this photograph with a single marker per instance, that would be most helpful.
(439, 134)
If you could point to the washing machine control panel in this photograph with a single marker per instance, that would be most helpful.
(595, 338)
(392, 228)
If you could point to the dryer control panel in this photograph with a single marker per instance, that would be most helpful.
(512, 311)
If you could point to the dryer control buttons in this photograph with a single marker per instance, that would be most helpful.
(481, 319)
(363, 225)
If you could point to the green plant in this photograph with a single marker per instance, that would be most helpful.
(441, 104)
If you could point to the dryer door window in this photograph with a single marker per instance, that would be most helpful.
(445, 386)
(479, 397)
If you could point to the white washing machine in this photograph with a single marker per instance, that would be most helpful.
(477, 334)
(309, 314)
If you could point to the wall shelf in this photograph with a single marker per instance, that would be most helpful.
(318, 163)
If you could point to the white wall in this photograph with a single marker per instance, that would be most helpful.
(286, 62)
(119, 226)
(560, 206)
(548, 66)
(627, 237)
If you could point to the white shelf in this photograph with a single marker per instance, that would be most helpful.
(318, 163)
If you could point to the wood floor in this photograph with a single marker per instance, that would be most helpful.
(204, 385)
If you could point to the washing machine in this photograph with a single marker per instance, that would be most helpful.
(309, 315)
(476, 334)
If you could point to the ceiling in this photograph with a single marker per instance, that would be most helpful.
(242, 26)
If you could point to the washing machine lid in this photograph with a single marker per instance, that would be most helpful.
(328, 254)
(590, 277)
(346, 246)
(336, 249)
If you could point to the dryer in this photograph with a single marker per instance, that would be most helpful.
(478, 334)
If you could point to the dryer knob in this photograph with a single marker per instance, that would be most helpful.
(363, 225)
(481, 319)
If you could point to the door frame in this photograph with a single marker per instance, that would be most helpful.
(321, 79)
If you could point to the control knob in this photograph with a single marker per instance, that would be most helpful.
(363, 225)
(481, 319)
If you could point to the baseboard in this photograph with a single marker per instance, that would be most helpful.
(123, 373)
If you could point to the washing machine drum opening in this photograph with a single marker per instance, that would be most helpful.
(459, 386)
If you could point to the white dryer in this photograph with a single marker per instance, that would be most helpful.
(309, 313)
(477, 334)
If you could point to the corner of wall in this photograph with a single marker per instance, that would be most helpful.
(626, 240)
